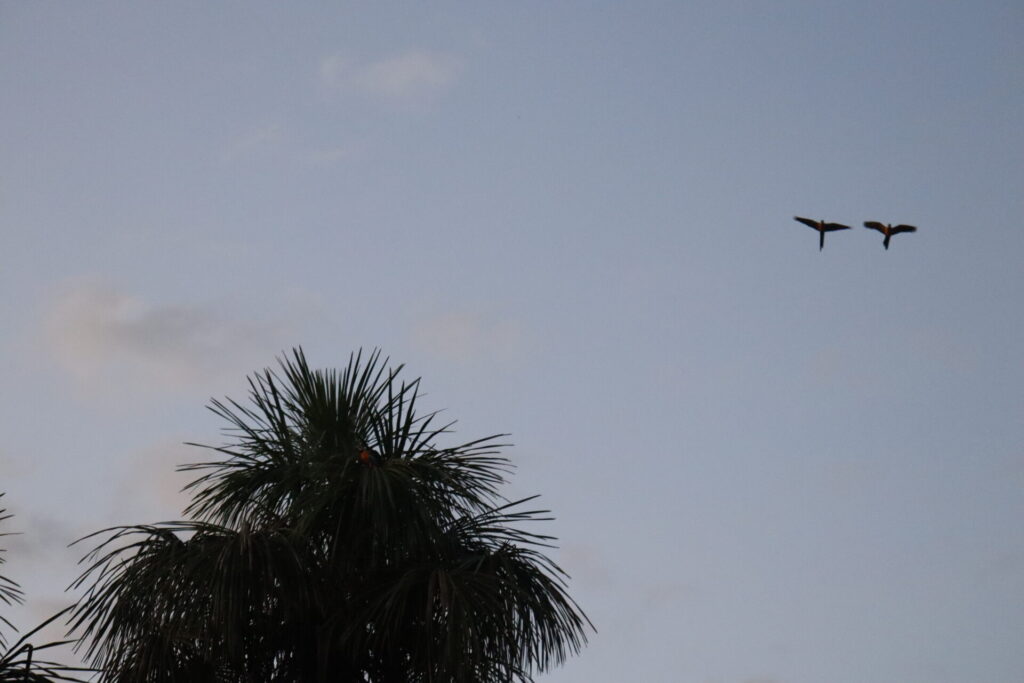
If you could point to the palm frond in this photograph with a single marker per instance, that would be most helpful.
(10, 591)
(21, 662)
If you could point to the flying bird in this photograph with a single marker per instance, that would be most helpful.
(822, 227)
(889, 230)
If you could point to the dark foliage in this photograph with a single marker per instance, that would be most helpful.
(20, 661)
(334, 539)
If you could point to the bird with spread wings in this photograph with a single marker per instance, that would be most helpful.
(822, 227)
(889, 230)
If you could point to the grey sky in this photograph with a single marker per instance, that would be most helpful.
(574, 221)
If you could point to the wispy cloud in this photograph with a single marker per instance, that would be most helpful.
(325, 156)
(152, 487)
(252, 140)
(274, 141)
(747, 680)
(462, 336)
(36, 536)
(410, 74)
(14, 468)
(104, 336)
(585, 562)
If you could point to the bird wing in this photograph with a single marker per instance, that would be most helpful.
(807, 221)
(903, 228)
(835, 226)
(875, 225)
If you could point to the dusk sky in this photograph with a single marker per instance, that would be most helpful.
(766, 463)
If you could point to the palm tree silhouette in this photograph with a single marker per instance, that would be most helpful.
(889, 230)
(334, 540)
(822, 227)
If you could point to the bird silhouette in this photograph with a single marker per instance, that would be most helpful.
(822, 227)
(889, 230)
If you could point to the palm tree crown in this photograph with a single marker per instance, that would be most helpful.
(333, 539)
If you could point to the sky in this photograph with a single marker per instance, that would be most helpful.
(767, 463)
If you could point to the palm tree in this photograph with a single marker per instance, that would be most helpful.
(334, 539)
(19, 661)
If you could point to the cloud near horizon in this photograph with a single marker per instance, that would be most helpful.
(410, 74)
(105, 337)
